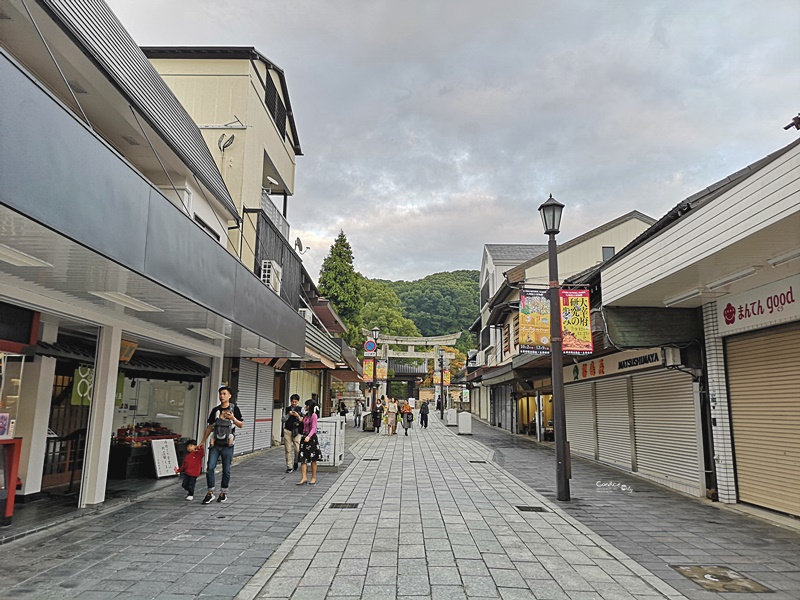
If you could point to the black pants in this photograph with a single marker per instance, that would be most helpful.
(188, 484)
(423, 421)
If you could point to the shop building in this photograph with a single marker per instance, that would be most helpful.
(512, 389)
(124, 302)
(729, 253)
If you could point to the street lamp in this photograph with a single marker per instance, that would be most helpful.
(441, 382)
(375, 332)
(551, 218)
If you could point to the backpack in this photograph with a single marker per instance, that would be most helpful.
(223, 428)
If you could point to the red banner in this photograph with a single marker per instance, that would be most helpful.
(576, 323)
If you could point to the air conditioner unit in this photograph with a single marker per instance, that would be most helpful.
(671, 357)
(271, 273)
(307, 314)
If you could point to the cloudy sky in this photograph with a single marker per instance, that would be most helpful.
(432, 127)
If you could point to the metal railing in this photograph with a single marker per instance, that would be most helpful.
(274, 214)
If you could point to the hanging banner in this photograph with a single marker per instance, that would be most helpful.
(446, 378)
(82, 386)
(383, 370)
(368, 372)
(534, 322)
(576, 327)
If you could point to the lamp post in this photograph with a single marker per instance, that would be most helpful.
(551, 218)
(441, 382)
(375, 332)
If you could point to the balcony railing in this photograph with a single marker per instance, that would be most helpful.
(274, 214)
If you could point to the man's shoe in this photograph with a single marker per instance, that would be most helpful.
(209, 497)
(223, 497)
(190, 497)
(288, 469)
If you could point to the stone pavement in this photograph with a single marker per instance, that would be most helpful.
(657, 527)
(164, 547)
(435, 518)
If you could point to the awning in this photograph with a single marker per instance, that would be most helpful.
(648, 327)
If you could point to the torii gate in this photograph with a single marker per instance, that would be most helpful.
(411, 343)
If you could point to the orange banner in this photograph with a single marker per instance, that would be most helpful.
(576, 326)
(368, 365)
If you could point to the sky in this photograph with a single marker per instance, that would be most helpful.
(432, 127)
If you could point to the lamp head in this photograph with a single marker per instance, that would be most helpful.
(441, 352)
(551, 215)
(375, 333)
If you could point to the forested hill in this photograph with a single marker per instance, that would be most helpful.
(441, 303)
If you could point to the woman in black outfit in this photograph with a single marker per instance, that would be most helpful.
(377, 415)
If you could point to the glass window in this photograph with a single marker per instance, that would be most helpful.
(608, 252)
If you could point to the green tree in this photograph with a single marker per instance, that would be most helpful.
(383, 309)
(339, 283)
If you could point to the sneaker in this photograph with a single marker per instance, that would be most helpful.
(209, 497)
(288, 469)
(190, 498)
(223, 497)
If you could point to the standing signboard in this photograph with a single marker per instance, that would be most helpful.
(164, 456)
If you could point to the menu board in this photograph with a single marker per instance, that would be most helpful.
(165, 458)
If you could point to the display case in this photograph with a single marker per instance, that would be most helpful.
(131, 455)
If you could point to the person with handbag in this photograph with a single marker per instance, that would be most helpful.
(423, 415)
(343, 410)
(377, 416)
(310, 452)
(407, 414)
(391, 417)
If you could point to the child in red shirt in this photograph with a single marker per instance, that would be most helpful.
(191, 467)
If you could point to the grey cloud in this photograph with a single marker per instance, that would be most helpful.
(431, 128)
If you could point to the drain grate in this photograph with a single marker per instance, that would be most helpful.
(719, 579)
(369, 459)
(343, 505)
(532, 509)
(477, 462)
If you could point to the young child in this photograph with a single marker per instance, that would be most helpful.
(191, 467)
(225, 414)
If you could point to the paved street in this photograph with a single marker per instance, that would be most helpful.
(437, 517)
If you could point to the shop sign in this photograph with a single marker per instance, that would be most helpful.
(613, 364)
(766, 305)
(368, 372)
(446, 378)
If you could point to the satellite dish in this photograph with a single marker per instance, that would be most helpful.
(298, 244)
(222, 143)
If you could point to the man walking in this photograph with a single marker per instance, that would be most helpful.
(291, 432)
(221, 421)
(423, 415)
(357, 410)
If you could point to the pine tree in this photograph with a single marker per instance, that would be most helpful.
(339, 283)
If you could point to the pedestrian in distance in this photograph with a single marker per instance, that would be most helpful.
(221, 421)
(391, 417)
(439, 404)
(377, 415)
(191, 467)
(309, 445)
(357, 410)
(407, 414)
(423, 415)
(343, 410)
(291, 432)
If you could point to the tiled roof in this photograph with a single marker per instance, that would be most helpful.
(515, 251)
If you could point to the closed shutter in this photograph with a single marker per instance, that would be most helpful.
(580, 419)
(246, 401)
(666, 428)
(303, 383)
(764, 390)
(613, 422)
(262, 434)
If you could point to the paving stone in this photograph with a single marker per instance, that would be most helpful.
(447, 592)
(413, 585)
(480, 586)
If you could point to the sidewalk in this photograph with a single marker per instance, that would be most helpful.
(435, 518)
(658, 527)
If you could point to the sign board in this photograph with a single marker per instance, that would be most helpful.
(370, 346)
(760, 307)
(534, 322)
(165, 458)
(576, 329)
(383, 370)
(373, 353)
(368, 370)
(330, 434)
(613, 364)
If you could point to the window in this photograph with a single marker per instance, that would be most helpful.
(206, 227)
(507, 339)
(516, 330)
(608, 252)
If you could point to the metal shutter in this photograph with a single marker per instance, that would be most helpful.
(581, 419)
(764, 390)
(666, 428)
(303, 383)
(262, 434)
(613, 422)
(246, 401)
